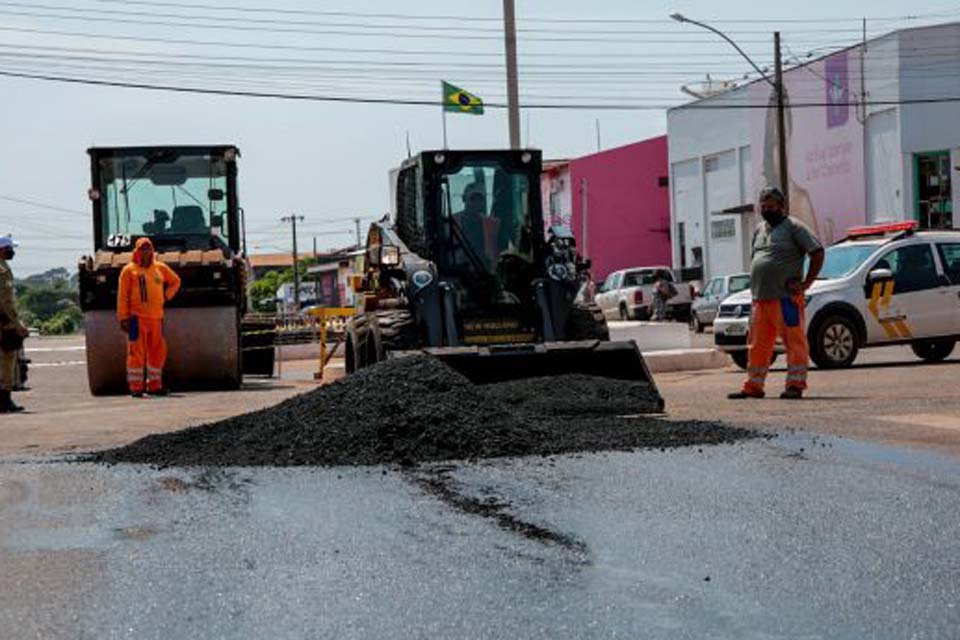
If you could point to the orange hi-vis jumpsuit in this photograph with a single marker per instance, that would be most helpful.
(786, 318)
(140, 299)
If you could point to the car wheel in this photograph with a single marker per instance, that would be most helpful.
(624, 312)
(834, 343)
(933, 350)
(695, 325)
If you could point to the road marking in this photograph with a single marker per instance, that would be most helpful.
(49, 349)
(935, 420)
(63, 363)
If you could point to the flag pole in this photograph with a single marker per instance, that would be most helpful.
(444, 117)
(443, 111)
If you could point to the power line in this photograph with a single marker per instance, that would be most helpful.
(43, 205)
(435, 103)
(386, 51)
(577, 20)
(444, 35)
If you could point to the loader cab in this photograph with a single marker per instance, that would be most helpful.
(182, 198)
(476, 215)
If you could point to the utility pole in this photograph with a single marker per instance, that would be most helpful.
(296, 259)
(356, 222)
(781, 121)
(513, 97)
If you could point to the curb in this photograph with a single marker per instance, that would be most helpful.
(685, 360)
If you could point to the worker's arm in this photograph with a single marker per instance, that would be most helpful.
(171, 282)
(123, 296)
(816, 263)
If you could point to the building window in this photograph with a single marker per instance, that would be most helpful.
(723, 228)
(711, 164)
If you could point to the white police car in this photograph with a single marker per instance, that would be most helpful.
(881, 285)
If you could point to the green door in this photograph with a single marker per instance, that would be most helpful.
(933, 198)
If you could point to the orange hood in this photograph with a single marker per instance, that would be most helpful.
(141, 242)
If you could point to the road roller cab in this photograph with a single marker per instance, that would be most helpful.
(184, 199)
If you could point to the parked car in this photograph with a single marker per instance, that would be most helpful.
(628, 294)
(882, 285)
(707, 302)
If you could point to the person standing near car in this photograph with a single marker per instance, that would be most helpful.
(780, 246)
(663, 290)
(12, 331)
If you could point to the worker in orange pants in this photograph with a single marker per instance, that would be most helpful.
(145, 287)
(785, 318)
(780, 247)
(146, 353)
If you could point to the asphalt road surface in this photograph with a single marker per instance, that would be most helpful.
(793, 538)
(799, 536)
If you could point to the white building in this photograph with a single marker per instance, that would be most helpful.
(873, 135)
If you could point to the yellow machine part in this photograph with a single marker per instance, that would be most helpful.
(203, 345)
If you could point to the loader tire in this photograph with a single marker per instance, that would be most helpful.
(396, 330)
(587, 322)
(356, 344)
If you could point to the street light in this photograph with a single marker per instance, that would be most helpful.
(776, 83)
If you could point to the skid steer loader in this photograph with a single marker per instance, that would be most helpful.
(465, 272)
(184, 198)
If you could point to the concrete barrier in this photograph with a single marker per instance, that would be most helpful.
(685, 360)
(652, 336)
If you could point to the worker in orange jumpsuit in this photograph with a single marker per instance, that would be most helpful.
(145, 286)
(781, 244)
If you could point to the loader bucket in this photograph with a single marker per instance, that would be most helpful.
(484, 365)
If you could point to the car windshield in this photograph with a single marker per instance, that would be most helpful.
(487, 210)
(842, 260)
(637, 278)
(739, 283)
(163, 194)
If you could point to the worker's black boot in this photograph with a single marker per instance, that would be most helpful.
(6, 403)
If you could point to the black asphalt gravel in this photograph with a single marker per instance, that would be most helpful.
(417, 409)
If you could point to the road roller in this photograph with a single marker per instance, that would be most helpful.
(184, 198)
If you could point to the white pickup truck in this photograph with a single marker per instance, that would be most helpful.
(628, 294)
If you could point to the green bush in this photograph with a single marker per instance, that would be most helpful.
(68, 320)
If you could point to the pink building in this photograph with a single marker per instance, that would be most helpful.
(627, 202)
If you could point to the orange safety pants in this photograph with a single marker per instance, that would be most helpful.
(771, 318)
(146, 356)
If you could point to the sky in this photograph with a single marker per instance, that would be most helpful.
(329, 161)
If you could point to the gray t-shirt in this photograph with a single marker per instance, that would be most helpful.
(777, 256)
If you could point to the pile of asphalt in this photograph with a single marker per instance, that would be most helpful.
(417, 409)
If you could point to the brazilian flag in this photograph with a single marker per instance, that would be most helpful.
(460, 101)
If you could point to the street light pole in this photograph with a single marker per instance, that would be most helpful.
(776, 83)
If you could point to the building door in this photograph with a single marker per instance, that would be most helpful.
(933, 200)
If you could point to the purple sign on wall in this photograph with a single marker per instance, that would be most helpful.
(838, 90)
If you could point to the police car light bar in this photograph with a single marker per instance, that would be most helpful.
(881, 229)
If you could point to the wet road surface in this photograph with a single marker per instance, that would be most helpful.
(755, 540)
